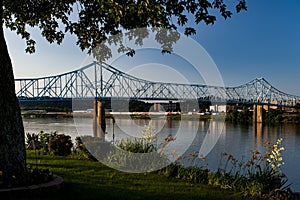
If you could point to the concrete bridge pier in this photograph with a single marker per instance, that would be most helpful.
(258, 121)
(99, 125)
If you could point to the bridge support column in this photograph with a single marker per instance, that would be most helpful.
(99, 125)
(257, 113)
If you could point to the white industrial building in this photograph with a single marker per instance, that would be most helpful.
(218, 108)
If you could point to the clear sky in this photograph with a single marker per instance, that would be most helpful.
(261, 42)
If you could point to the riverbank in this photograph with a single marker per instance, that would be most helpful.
(85, 179)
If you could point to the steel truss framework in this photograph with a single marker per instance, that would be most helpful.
(104, 81)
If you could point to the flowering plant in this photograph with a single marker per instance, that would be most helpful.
(273, 155)
(148, 134)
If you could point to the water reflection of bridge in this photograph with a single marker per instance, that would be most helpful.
(106, 82)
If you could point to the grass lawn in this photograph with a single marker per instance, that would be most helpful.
(92, 180)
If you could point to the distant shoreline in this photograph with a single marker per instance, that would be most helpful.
(294, 119)
(133, 115)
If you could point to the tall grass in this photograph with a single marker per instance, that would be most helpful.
(259, 176)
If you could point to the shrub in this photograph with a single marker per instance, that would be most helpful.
(81, 152)
(146, 144)
(60, 145)
(190, 174)
(93, 148)
(37, 176)
(171, 170)
(39, 141)
(33, 176)
(45, 138)
(32, 141)
(136, 146)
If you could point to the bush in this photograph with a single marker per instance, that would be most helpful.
(39, 141)
(91, 148)
(81, 152)
(45, 138)
(32, 141)
(60, 145)
(34, 176)
(136, 146)
(190, 174)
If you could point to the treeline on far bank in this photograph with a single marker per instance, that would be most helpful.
(244, 114)
(54, 105)
(236, 114)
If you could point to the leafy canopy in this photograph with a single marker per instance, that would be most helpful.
(94, 21)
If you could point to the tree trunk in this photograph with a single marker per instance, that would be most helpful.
(12, 138)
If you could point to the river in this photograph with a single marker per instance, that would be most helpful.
(237, 140)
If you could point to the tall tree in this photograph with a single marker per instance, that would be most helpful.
(92, 21)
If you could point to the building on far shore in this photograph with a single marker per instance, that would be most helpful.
(219, 108)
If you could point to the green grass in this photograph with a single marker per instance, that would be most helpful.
(86, 179)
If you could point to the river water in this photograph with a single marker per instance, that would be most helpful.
(237, 140)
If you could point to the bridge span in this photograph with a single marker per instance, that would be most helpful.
(102, 81)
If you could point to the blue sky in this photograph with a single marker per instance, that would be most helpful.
(262, 42)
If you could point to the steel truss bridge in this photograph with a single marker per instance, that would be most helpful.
(102, 81)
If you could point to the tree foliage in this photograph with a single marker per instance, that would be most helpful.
(95, 21)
